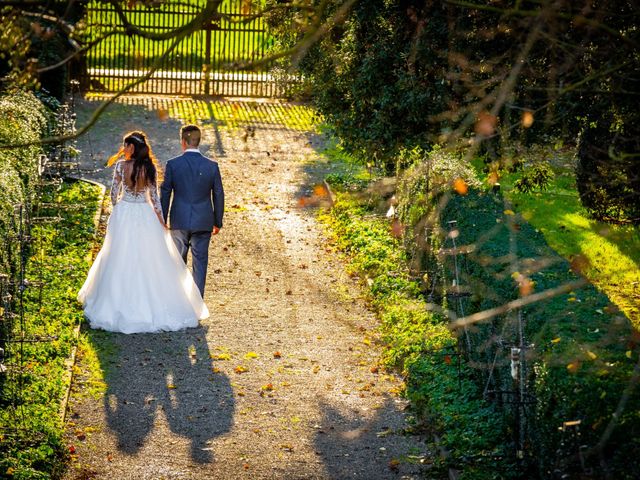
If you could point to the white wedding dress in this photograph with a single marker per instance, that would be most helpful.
(139, 282)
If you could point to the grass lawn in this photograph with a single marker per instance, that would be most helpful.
(612, 252)
(31, 444)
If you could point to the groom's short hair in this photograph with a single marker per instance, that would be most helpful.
(191, 134)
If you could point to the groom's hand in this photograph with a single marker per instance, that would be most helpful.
(215, 231)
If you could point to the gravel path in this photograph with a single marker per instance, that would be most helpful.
(282, 380)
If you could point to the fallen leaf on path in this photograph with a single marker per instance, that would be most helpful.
(221, 356)
(240, 369)
(320, 190)
(163, 114)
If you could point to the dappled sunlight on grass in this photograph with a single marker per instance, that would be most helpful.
(224, 113)
(610, 267)
(612, 251)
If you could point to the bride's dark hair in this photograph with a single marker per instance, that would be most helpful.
(145, 165)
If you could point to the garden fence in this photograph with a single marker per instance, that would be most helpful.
(204, 62)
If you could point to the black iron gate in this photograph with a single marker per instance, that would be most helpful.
(204, 62)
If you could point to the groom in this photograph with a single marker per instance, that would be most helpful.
(198, 201)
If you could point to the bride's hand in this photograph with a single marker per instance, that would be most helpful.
(161, 220)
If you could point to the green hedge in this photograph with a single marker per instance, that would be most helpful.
(23, 119)
(31, 444)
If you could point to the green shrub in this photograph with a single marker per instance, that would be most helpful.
(23, 119)
(582, 359)
(607, 171)
(581, 362)
(429, 177)
(536, 177)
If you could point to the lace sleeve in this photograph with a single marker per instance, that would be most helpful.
(155, 200)
(116, 183)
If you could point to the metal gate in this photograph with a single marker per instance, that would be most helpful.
(201, 63)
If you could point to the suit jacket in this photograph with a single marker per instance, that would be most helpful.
(198, 197)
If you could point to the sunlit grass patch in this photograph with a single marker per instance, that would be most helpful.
(221, 113)
(237, 114)
(95, 349)
(612, 252)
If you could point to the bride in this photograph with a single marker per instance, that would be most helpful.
(139, 282)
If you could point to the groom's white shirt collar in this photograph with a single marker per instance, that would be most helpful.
(192, 150)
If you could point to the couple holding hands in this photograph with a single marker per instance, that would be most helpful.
(139, 281)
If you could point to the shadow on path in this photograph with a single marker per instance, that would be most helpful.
(170, 375)
(353, 445)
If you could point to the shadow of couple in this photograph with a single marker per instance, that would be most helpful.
(169, 374)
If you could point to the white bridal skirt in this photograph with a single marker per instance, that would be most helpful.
(139, 282)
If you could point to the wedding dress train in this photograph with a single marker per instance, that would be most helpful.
(139, 282)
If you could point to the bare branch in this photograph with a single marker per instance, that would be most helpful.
(262, 13)
(50, 18)
(300, 49)
(23, 3)
(515, 304)
(208, 12)
(96, 114)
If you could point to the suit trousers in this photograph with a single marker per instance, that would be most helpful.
(198, 242)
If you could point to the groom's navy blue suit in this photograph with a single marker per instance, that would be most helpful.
(197, 206)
